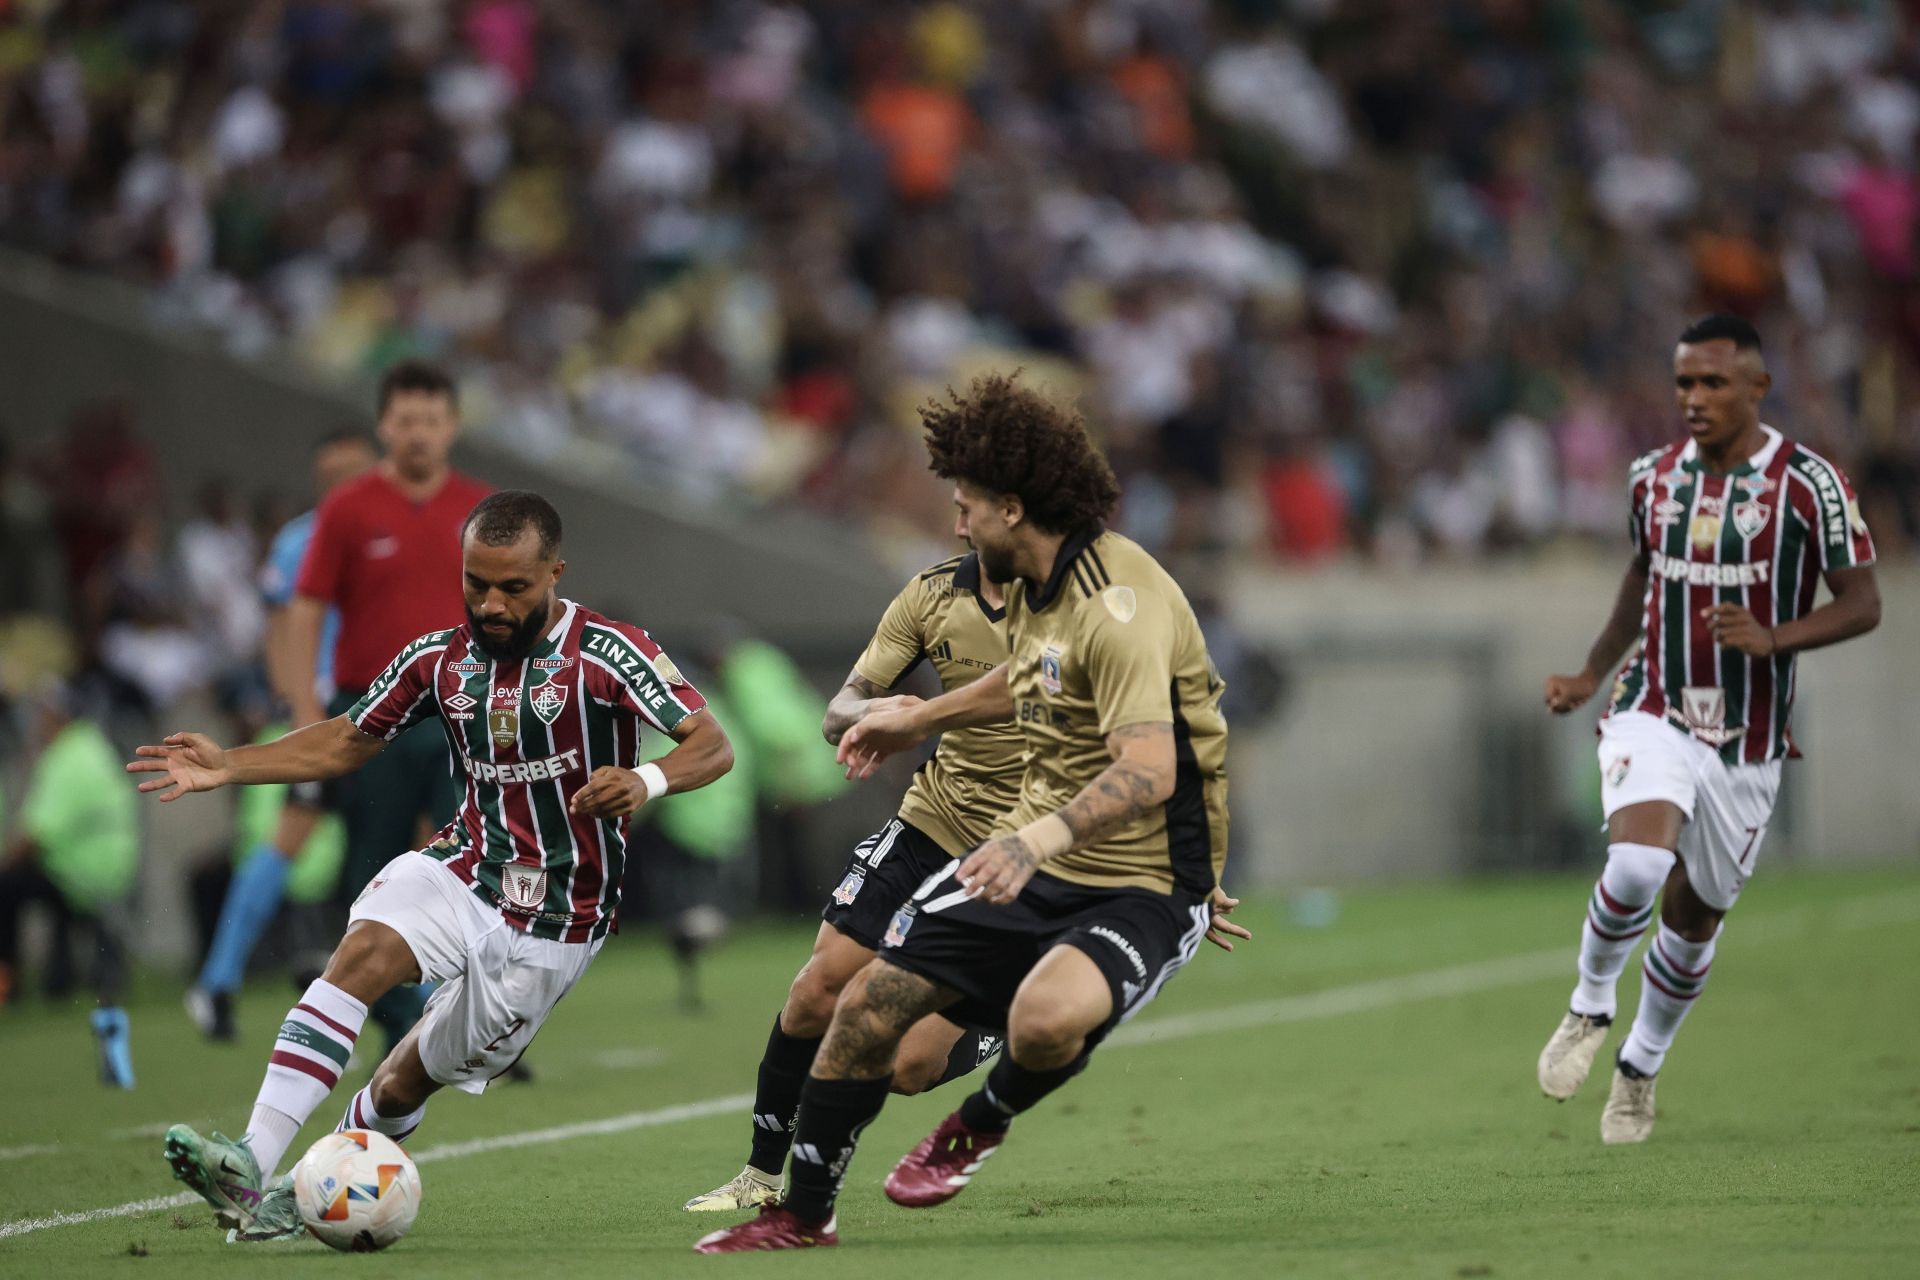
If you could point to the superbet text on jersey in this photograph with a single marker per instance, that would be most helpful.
(529, 734)
(1759, 536)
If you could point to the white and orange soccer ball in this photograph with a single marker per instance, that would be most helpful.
(357, 1190)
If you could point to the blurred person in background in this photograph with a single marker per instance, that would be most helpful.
(779, 712)
(77, 852)
(136, 624)
(688, 854)
(304, 883)
(262, 868)
(385, 553)
(217, 553)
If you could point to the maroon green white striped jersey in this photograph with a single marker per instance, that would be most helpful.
(529, 734)
(1759, 536)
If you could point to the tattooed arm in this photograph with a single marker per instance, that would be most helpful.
(858, 698)
(1140, 777)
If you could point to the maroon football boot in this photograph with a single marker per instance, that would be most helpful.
(775, 1228)
(942, 1165)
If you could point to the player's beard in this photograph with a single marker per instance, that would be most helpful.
(996, 563)
(517, 644)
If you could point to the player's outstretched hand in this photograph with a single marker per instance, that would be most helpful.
(1735, 627)
(999, 869)
(879, 734)
(1565, 693)
(612, 792)
(1221, 927)
(191, 762)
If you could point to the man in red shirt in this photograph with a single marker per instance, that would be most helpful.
(386, 553)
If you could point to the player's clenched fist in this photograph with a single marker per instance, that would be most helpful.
(1735, 627)
(612, 792)
(1564, 693)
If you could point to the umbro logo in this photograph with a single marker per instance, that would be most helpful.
(460, 702)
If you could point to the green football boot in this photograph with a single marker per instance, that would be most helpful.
(223, 1171)
(277, 1218)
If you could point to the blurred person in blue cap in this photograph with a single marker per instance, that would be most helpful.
(77, 851)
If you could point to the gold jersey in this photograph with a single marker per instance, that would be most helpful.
(973, 779)
(1107, 641)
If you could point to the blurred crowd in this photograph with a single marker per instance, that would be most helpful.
(1395, 278)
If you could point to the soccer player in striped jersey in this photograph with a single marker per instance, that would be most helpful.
(543, 703)
(954, 618)
(1733, 528)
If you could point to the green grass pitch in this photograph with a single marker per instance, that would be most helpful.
(1353, 1100)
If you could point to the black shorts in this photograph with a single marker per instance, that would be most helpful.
(882, 874)
(1137, 938)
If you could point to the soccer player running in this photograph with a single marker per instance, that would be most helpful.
(542, 702)
(260, 881)
(953, 616)
(1096, 889)
(1732, 529)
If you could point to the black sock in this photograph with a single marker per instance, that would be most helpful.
(969, 1051)
(783, 1069)
(832, 1114)
(1011, 1089)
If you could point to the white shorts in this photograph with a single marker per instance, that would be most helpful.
(497, 984)
(1727, 807)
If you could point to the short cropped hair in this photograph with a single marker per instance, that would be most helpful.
(417, 375)
(343, 435)
(1735, 329)
(1005, 438)
(500, 518)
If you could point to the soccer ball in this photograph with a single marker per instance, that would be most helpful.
(357, 1190)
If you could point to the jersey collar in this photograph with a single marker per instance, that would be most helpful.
(967, 578)
(557, 632)
(1760, 461)
(1062, 563)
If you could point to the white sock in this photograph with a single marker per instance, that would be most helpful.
(1671, 979)
(361, 1114)
(309, 1054)
(270, 1132)
(1617, 914)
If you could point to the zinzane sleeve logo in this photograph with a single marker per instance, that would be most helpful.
(638, 684)
(402, 695)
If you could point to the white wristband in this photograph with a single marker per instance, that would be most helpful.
(656, 780)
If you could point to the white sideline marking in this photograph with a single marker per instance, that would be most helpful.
(24, 1225)
(584, 1129)
(1458, 980)
(157, 1130)
(35, 1149)
(1481, 975)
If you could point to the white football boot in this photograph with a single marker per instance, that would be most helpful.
(1569, 1054)
(1629, 1113)
(748, 1190)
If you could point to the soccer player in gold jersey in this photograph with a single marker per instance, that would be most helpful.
(1098, 884)
(951, 617)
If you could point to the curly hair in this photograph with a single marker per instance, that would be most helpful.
(1004, 438)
